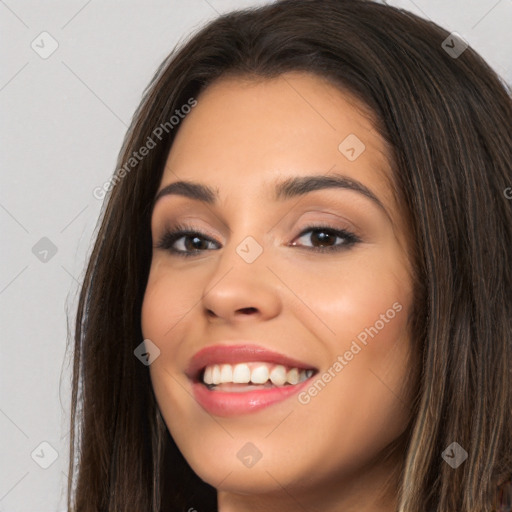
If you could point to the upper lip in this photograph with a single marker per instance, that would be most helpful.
(232, 354)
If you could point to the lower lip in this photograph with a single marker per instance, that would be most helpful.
(222, 403)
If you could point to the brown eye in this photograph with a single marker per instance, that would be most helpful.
(184, 241)
(194, 243)
(325, 238)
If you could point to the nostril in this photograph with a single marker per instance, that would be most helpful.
(248, 310)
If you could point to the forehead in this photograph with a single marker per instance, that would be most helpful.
(248, 132)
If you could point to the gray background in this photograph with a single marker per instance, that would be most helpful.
(62, 122)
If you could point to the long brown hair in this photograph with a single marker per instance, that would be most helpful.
(446, 119)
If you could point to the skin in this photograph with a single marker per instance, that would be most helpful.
(243, 136)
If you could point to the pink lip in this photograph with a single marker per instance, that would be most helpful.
(221, 403)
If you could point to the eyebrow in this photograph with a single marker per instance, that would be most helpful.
(289, 188)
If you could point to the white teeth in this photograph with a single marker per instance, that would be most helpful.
(293, 376)
(241, 374)
(278, 375)
(207, 378)
(216, 375)
(254, 373)
(259, 375)
(226, 373)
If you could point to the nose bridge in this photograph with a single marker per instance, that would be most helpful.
(243, 259)
(248, 234)
(241, 281)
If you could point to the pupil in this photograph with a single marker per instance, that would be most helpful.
(323, 237)
(194, 243)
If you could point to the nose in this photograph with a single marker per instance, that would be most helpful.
(238, 291)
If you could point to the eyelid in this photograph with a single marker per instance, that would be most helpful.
(326, 225)
(184, 226)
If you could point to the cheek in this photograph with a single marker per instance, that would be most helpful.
(159, 312)
(167, 300)
(366, 298)
(364, 311)
(165, 309)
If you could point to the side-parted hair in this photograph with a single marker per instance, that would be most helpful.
(447, 123)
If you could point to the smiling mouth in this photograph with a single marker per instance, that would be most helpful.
(234, 380)
(251, 376)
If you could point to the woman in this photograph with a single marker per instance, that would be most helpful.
(300, 293)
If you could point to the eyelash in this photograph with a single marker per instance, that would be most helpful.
(169, 238)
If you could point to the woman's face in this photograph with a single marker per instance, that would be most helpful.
(297, 264)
